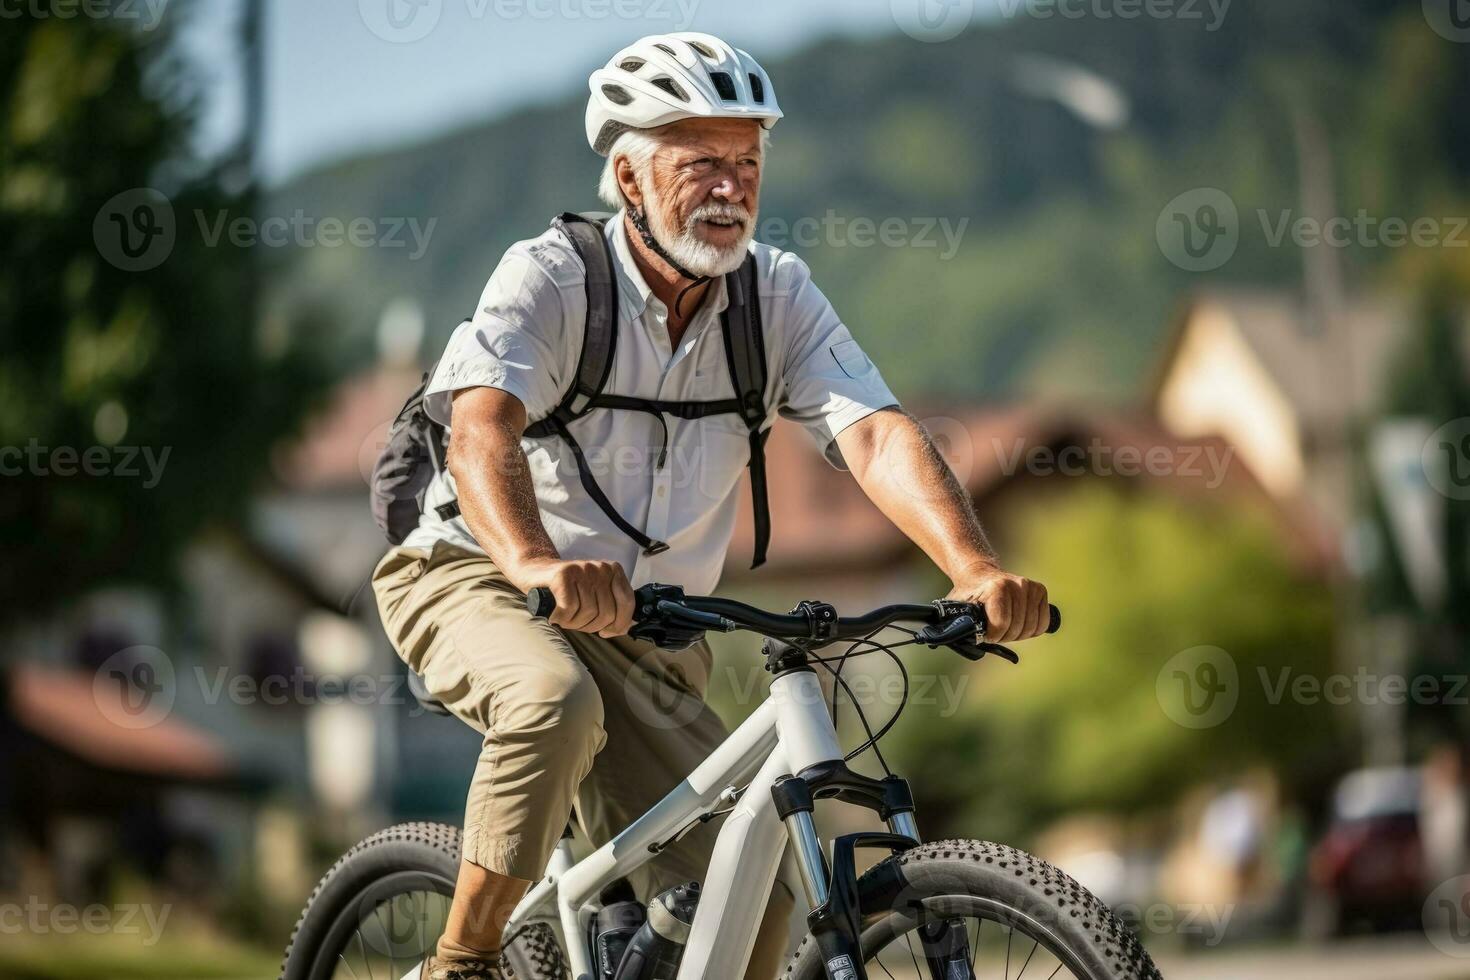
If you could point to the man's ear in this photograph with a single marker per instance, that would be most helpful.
(628, 182)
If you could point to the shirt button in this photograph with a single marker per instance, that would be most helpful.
(663, 491)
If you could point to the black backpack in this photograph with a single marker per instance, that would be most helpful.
(417, 445)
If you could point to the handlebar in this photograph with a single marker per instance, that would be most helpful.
(944, 619)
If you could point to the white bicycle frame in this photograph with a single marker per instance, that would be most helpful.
(790, 731)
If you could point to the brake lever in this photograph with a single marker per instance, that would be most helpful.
(957, 629)
(694, 617)
(975, 651)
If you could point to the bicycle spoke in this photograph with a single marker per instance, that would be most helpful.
(1034, 945)
(350, 970)
(998, 964)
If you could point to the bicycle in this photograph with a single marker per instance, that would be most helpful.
(914, 906)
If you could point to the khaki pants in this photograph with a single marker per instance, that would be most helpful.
(613, 725)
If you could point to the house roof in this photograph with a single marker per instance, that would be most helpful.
(821, 518)
(66, 709)
(1329, 373)
(342, 440)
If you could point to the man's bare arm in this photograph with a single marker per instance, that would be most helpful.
(898, 467)
(498, 502)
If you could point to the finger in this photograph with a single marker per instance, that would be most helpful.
(1016, 607)
(566, 605)
(1033, 625)
(606, 605)
(624, 603)
(998, 615)
(586, 606)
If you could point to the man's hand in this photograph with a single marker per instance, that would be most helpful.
(1015, 608)
(591, 596)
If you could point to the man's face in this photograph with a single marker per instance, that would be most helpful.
(703, 189)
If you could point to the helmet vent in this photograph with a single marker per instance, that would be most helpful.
(704, 49)
(617, 94)
(724, 84)
(667, 50)
(672, 87)
(757, 89)
(632, 64)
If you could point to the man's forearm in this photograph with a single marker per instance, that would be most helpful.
(496, 496)
(899, 468)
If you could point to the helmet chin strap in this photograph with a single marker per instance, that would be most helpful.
(640, 222)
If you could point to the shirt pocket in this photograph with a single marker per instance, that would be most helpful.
(851, 359)
(715, 457)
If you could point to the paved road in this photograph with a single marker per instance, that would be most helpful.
(1398, 958)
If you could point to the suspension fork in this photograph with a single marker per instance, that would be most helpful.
(836, 917)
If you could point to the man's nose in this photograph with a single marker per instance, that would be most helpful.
(728, 189)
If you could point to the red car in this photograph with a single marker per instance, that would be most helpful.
(1369, 866)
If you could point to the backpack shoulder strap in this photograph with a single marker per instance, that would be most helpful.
(600, 335)
(745, 352)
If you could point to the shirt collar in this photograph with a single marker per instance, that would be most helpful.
(634, 290)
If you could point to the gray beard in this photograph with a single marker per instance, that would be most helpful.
(699, 257)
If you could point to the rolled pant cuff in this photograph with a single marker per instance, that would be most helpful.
(501, 855)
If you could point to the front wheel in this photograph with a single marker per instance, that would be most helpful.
(1014, 914)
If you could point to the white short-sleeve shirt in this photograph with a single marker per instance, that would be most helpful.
(525, 339)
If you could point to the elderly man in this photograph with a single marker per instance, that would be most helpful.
(571, 709)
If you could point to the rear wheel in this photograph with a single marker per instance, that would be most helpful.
(381, 908)
(1020, 918)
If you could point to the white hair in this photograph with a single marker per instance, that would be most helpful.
(639, 146)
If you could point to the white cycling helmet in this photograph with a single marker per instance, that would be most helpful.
(663, 78)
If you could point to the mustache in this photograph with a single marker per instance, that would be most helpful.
(729, 212)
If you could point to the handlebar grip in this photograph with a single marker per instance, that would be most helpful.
(540, 603)
(1056, 620)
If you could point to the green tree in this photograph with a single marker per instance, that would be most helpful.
(139, 394)
(1085, 722)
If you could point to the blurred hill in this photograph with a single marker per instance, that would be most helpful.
(1057, 285)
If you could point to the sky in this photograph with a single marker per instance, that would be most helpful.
(343, 76)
